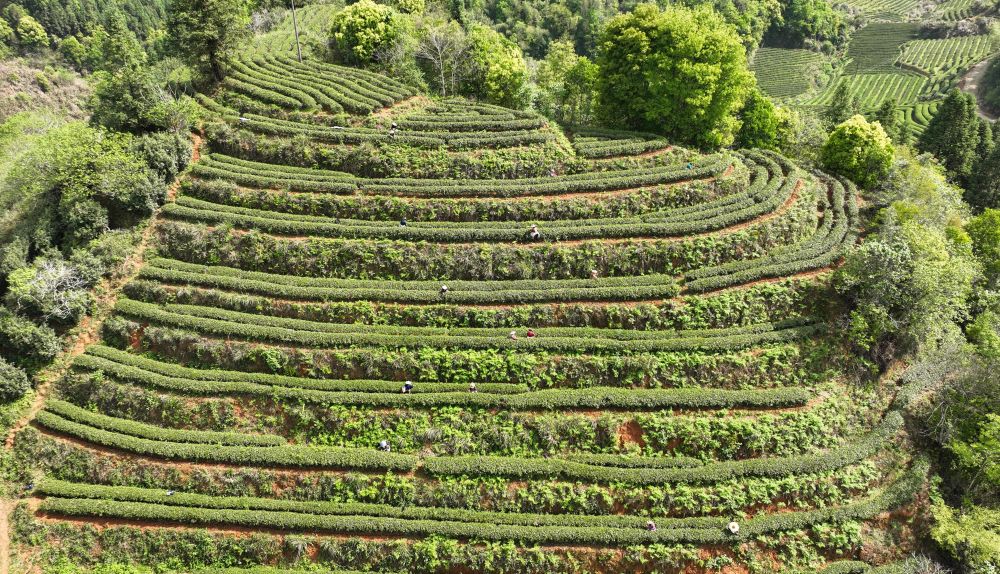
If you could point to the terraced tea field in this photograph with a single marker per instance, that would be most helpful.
(784, 73)
(884, 60)
(399, 334)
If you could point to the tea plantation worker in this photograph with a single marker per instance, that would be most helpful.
(444, 290)
(402, 222)
(383, 446)
(392, 130)
(170, 493)
(472, 388)
(407, 387)
(531, 333)
(690, 165)
(733, 527)
(593, 273)
(651, 526)
(534, 234)
(513, 335)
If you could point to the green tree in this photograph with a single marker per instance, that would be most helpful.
(750, 19)
(953, 134)
(364, 32)
(73, 52)
(888, 118)
(909, 284)
(984, 189)
(759, 123)
(497, 71)
(989, 87)
(566, 84)
(442, 49)
(409, 6)
(30, 34)
(208, 32)
(843, 105)
(678, 72)
(90, 180)
(13, 382)
(6, 37)
(984, 230)
(808, 23)
(126, 97)
(859, 150)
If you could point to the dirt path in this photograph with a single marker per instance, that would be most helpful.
(970, 83)
(88, 329)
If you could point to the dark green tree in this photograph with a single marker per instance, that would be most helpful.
(126, 97)
(984, 188)
(808, 23)
(759, 123)
(989, 87)
(843, 105)
(678, 72)
(891, 123)
(207, 32)
(953, 134)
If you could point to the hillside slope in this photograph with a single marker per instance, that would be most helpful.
(622, 355)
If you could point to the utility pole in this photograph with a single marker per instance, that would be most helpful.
(295, 26)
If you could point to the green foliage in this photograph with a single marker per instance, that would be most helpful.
(989, 87)
(92, 178)
(843, 106)
(409, 6)
(25, 344)
(497, 72)
(677, 72)
(206, 33)
(31, 36)
(954, 134)
(566, 85)
(750, 20)
(259, 327)
(859, 150)
(126, 97)
(14, 382)
(290, 455)
(980, 454)
(984, 230)
(759, 123)
(704, 531)
(73, 52)
(971, 536)
(142, 430)
(910, 283)
(50, 290)
(365, 33)
(813, 24)
(887, 117)
(67, 19)
(320, 181)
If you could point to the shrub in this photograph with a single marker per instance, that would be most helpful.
(859, 150)
(13, 382)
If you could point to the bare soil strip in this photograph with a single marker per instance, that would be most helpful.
(970, 83)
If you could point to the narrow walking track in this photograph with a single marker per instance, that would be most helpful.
(87, 331)
(970, 83)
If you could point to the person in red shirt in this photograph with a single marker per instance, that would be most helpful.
(531, 333)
